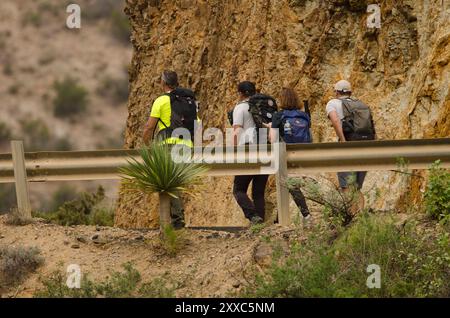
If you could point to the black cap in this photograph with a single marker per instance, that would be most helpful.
(247, 88)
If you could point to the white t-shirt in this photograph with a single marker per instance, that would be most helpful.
(243, 118)
(335, 105)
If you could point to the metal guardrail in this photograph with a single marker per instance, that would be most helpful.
(21, 168)
(310, 158)
(368, 156)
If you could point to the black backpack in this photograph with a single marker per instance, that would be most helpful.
(262, 107)
(184, 112)
(358, 121)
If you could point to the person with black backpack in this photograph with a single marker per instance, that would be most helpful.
(245, 133)
(177, 108)
(294, 125)
(352, 121)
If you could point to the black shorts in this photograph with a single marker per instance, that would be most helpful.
(348, 178)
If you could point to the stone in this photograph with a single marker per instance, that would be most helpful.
(81, 239)
(263, 255)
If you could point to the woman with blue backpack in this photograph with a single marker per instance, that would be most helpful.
(294, 126)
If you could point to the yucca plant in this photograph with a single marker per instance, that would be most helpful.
(158, 173)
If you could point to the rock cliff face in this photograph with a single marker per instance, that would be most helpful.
(401, 70)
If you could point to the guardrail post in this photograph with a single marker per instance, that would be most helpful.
(282, 189)
(20, 176)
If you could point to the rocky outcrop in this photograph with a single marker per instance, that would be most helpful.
(401, 70)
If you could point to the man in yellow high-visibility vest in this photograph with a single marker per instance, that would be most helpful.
(175, 109)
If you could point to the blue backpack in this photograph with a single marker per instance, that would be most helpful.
(296, 127)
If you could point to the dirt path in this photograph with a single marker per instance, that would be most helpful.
(211, 264)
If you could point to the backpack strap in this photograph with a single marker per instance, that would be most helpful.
(308, 111)
(344, 104)
(159, 119)
(283, 116)
(242, 103)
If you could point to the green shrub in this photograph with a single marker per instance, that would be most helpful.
(5, 133)
(337, 204)
(62, 144)
(257, 228)
(71, 98)
(85, 210)
(55, 286)
(120, 285)
(32, 18)
(115, 89)
(48, 6)
(14, 89)
(413, 262)
(103, 216)
(7, 197)
(15, 219)
(172, 241)
(8, 69)
(437, 195)
(112, 142)
(16, 263)
(37, 137)
(3, 44)
(157, 288)
(102, 9)
(46, 59)
(35, 134)
(64, 194)
(120, 26)
(124, 284)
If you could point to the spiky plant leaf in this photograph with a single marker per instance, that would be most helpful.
(158, 173)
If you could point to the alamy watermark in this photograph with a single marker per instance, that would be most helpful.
(374, 280)
(73, 21)
(374, 19)
(74, 276)
(253, 147)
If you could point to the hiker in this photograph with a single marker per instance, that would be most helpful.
(245, 133)
(352, 121)
(294, 126)
(176, 108)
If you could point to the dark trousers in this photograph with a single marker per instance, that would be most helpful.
(177, 210)
(300, 201)
(255, 207)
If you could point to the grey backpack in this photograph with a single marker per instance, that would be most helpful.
(358, 121)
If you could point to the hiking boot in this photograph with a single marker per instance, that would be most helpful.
(256, 220)
(178, 224)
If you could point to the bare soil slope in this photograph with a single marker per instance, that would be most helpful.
(211, 263)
